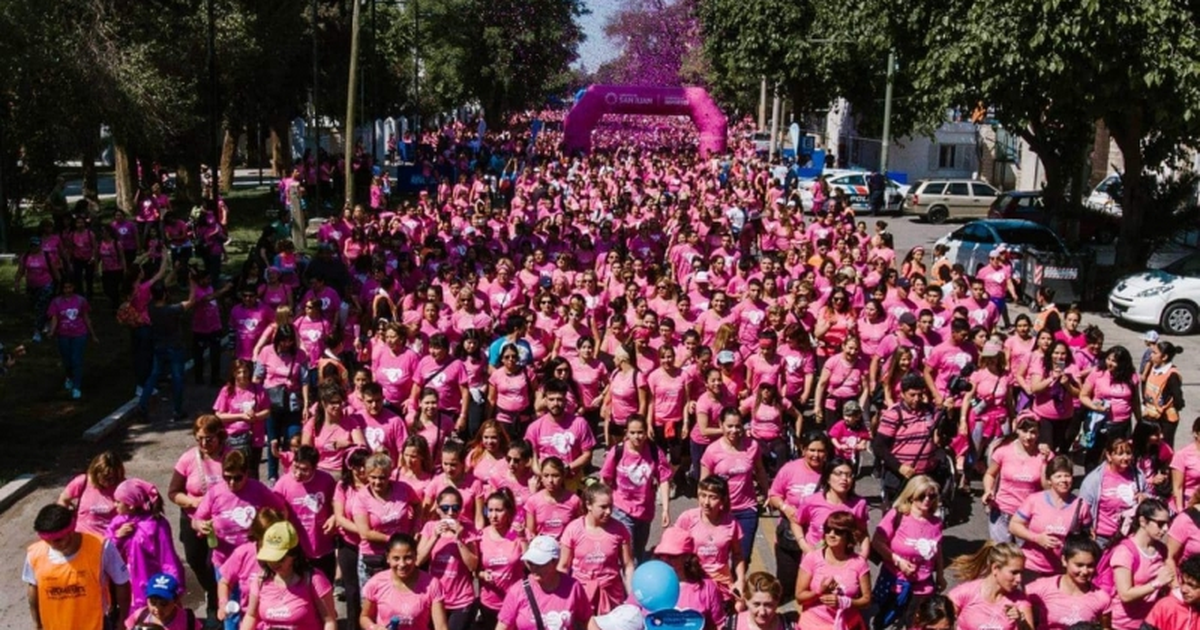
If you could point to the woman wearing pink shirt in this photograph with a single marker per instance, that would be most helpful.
(592, 378)
(1046, 519)
(835, 323)
(196, 472)
(668, 390)
(639, 472)
(90, 495)
(1141, 574)
(737, 459)
(244, 407)
(1112, 489)
(549, 511)
(548, 589)
(834, 494)
(597, 550)
(1013, 475)
(500, 549)
(71, 323)
(330, 429)
(627, 395)
(311, 330)
(873, 325)
(1185, 470)
(241, 568)
(280, 369)
(510, 392)
(909, 540)
(716, 535)
(768, 415)
(228, 509)
(382, 508)
(449, 546)
(834, 581)
(394, 365)
(1069, 598)
(444, 373)
(1053, 383)
(989, 595)
(1114, 393)
(759, 605)
(988, 405)
(486, 453)
(353, 481)
(696, 591)
(455, 474)
(289, 593)
(845, 376)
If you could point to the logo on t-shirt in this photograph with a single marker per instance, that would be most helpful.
(638, 474)
(241, 516)
(393, 374)
(313, 502)
(71, 313)
(560, 442)
(926, 547)
(374, 437)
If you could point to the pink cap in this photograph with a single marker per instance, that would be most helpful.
(675, 542)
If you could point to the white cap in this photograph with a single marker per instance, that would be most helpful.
(1150, 336)
(623, 617)
(542, 550)
(701, 277)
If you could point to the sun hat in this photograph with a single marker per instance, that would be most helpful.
(542, 550)
(278, 540)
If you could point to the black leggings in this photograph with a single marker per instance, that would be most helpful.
(787, 560)
(198, 556)
(347, 561)
(461, 618)
(1054, 433)
(212, 342)
(487, 617)
(111, 282)
(84, 272)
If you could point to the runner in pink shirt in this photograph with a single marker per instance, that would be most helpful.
(737, 459)
(639, 473)
(403, 595)
(597, 550)
(553, 592)
(249, 320)
(762, 595)
(71, 324)
(668, 387)
(1045, 519)
(382, 508)
(449, 544)
(229, 508)
(510, 391)
(331, 429)
(1140, 572)
(91, 494)
(834, 581)
(1014, 474)
(309, 494)
(909, 537)
(394, 365)
(557, 434)
(768, 415)
(455, 475)
(447, 376)
(486, 456)
(500, 549)
(382, 429)
(285, 595)
(845, 376)
(549, 510)
(1061, 600)
(244, 407)
(715, 535)
(989, 595)
(627, 395)
(1185, 470)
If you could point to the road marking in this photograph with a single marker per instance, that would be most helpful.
(764, 545)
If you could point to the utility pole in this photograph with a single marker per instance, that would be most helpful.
(417, 72)
(762, 104)
(374, 85)
(776, 113)
(316, 125)
(887, 113)
(351, 95)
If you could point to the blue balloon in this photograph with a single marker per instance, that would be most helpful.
(655, 585)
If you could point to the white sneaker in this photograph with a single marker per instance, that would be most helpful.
(76, 394)
(67, 384)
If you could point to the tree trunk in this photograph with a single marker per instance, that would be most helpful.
(187, 174)
(88, 149)
(123, 176)
(1127, 131)
(228, 151)
(281, 148)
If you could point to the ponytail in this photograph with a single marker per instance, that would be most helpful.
(973, 566)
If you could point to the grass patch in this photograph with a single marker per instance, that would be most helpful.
(41, 424)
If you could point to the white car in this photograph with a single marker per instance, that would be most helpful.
(854, 185)
(1168, 297)
(1101, 198)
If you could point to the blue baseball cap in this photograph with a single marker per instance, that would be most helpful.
(162, 585)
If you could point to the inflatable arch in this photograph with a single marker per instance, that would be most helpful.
(598, 100)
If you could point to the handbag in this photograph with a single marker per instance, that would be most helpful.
(892, 593)
(281, 398)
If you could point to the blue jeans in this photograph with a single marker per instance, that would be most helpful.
(70, 349)
(40, 298)
(639, 531)
(748, 519)
(143, 353)
(164, 359)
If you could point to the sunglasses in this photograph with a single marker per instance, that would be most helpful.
(838, 531)
(928, 496)
(233, 478)
(1161, 523)
(450, 508)
(513, 460)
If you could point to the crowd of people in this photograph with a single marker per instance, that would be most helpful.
(432, 390)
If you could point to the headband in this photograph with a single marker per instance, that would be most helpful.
(59, 534)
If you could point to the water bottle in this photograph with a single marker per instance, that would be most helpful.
(212, 536)
(394, 624)
(232, 608)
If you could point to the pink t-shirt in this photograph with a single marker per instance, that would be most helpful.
(206, 316)
(70, 311)
(624, 389)
(1184, 531)
(200, 474)
(918, 541)
(512, 393)
(346, 496)
(591, 378)
(763, 370)
(311, 506)
(248, 324)
(568, 605)
(735, 466)
(295, 607)
(596, 556)
(331, 432)
(240, 568)
(1054, 402)
(815, 510)
(1187, 461)
(668, 396)
(470, 488)
(566, 438)
(992, 390)
(1119, 396)
(870, 334)
(501, 556)
(550, 515)
(310, 334)
(244, 400)
(714, 546)
(847, 439)
(412, 609)
(1020, 475)
(447, 565)
(447, 380)
(703, 597)
(846, 378)
(797, 366)
(385, 432)
(395, 512)
(946, 362)
(976, 613)
(794, 481)
(766, 420)
(1055, 610)
(1043, 516)
(394, 372)
(637, 478)
(94, 506)
(711, 407)
(232, 513)
(1129, 615)
(1118, 492)
(848, 576)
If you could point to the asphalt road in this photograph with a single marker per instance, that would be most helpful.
(155, 446)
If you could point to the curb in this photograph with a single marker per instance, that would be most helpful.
(118, 418)
(16, 489)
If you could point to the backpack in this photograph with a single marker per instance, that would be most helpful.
(1105, 579)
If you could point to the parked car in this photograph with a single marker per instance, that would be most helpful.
(1181, 244)
(940, 199)
(854, 184)
(1027, 205)
(1038, 256)
(1168, 297)
(1103, 197)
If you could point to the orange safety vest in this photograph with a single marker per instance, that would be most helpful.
(71, 594)
(1039, 322)
(1155, 389)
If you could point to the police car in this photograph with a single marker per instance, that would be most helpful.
(854, 185)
